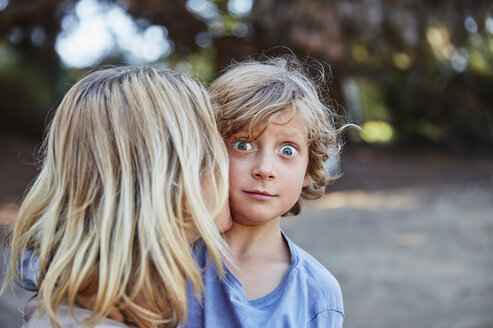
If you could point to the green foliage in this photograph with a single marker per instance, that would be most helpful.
(200, 64)
(25, 92)
(424, 69)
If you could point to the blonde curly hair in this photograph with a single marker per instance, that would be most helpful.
(250, 92)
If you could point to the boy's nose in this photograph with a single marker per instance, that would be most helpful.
(264, 167)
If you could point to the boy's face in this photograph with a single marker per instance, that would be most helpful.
(266, 175)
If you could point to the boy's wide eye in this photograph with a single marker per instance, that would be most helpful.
(242, 145)
(288, 150)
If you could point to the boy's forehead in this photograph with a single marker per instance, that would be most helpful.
(292, 124)
(290, 120)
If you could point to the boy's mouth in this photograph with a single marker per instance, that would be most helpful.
(259, 194)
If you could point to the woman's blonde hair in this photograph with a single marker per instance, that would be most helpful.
(250, 92)
(120, 186)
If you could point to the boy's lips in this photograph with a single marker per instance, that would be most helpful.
(259, 194)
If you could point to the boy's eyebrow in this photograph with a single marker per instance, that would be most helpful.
(285, 132)
(240, 134)
(292, 133)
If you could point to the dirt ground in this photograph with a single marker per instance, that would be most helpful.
(408, 234)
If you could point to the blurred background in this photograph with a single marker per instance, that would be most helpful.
(408, 229)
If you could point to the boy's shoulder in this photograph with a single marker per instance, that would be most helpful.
(312, 266)
(318, 280)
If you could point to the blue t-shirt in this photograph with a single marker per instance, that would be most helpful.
(308, 296)
(29, 271)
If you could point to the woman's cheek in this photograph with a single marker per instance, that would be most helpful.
(223, 218)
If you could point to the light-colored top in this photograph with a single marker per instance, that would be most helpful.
(308, 296)
(33, 320)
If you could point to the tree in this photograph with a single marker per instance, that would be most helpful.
(424, 68)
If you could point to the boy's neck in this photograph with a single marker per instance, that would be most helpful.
(260, 257)
(258, 240)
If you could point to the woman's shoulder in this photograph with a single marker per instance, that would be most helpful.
(34, 319)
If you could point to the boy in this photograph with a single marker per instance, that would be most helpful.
(278, 134)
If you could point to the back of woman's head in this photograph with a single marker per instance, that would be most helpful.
(120, 188)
